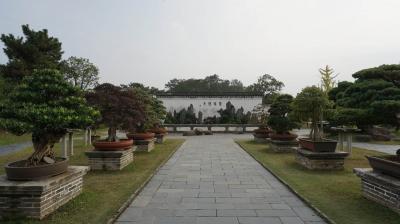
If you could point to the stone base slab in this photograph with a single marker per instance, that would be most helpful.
(320, 160)
(159, 139)
(144, 145)
(380, 188)
(109, 160)
(283, 146)
(262, 140)
(37, 199)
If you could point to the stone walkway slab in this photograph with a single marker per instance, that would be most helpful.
(210, 179)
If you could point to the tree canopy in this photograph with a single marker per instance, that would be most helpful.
(211, 83)
(36, 50)
(45, 105)
(119, 107)
(278, 119)
(310, 105)
(80, 72)
(268, 85)
(373, 98)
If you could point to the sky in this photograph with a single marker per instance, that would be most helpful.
(153, 41)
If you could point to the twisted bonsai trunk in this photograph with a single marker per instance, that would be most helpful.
(43, 145)
(112, 134)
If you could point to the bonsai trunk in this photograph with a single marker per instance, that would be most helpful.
(43, 146)
(112, 135)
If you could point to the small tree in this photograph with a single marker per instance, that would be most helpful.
(119, 108)
(268, 85)
(327, 79)
(80, 72)
(310, 104)
(45, 105)
(279, 120)
(154, 110)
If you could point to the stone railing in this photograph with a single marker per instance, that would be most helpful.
(218, 128)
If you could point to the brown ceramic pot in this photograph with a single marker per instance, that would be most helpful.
(140, 136)
(158, 130)
(324, 145)
(17, 171)
(122, 144)
(283, 136)
(388, 164)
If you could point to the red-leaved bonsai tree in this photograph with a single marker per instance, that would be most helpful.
(46, 105)
(119, 108)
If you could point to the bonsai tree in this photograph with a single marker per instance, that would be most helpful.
(119, 108)
(373, 99)
(309, 105)
(279, 120)
(46, 105)
(153, 109)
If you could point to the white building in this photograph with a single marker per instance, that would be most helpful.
(209, 104)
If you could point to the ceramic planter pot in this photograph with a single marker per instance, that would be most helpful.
(121, 145)
(283, 136)
(140, 136)
(389, 165)
(324, 145)
(158, 131)
(17, 171)
(262, 132)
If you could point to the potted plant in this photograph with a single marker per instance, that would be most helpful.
(263, 131)
(46, 105)
(309, 105)
(154, 112)
(279, 120)
(386, 164)
(119, 108)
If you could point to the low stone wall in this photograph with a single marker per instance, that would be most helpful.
(320, 160)
(37, 199)
(160, 138)
(283, 146)
(144, 145)
(109, 160)
(380, 188)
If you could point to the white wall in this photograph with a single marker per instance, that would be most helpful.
(209, 106)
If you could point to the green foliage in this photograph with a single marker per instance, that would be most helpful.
(230, 115)
(211, 83)
(279, 120)
(154, 110)
(45, 105)
(268, 85)
(310, 104)
(36, 50)
(374, 98)
(119, 107)
(80, 72)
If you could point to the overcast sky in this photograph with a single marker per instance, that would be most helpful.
(153, 41)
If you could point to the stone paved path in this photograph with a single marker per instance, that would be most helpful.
(211, 180)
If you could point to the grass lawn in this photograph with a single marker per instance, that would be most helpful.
(103, 192)
(8, 138)
(335, 193)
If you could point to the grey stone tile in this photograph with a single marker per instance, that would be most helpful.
(259, 220)
(236, 212)
(291, 220)
(196, 212)
(217, 220)
(275, 212)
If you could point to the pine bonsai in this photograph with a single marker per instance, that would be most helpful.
(45, 105)
(279, 120)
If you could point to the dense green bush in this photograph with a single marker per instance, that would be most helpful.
(46, 105)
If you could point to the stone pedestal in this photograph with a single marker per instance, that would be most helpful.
(37, 199)
(380, 188)
(320, 160)
(262, 140)
(144, 145)
(159, 138)
(109, 160)
(283, 146)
